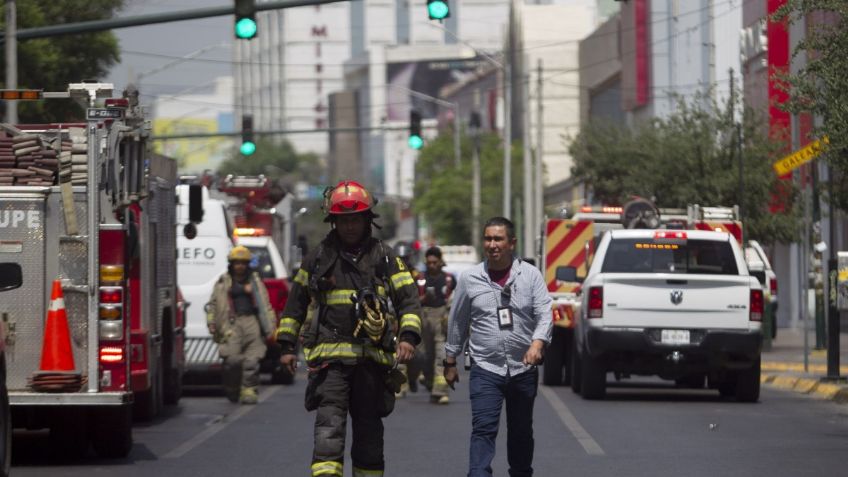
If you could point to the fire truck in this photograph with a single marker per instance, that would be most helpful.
(260, 227)
(568, 246)
(89, 215)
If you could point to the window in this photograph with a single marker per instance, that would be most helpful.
(261, 262)
(647, 256)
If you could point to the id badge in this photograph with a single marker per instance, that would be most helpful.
(505, 317)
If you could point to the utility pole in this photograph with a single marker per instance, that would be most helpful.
(507, 77)
(11, 59)
(474, 128)
(527, 246)
(457, 145)
(538, 188)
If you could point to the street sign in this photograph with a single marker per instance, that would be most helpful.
(799, 157)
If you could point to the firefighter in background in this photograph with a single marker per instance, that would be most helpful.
(437, 289)
(350, 348)
(240, 318)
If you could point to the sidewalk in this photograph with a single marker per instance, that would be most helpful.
(783, 366)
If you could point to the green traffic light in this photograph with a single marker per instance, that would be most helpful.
(438, 10)
(246, 28)
(415, 142)
(247, 148)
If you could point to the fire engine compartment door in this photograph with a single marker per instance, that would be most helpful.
(565, 242)
(32, 235)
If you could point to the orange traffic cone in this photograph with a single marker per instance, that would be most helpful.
(56, 373)
(56, 353)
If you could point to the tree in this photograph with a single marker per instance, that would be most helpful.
(691, 157)
(443, 192)
(821, 86)
(52, 63)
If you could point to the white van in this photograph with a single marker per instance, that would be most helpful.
(200, 261)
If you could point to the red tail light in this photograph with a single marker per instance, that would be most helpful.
(756, 305)
(596, 302)
(773, 286)
(111, 294)
(111, 354)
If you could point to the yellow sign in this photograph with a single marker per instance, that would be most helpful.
(799, 157)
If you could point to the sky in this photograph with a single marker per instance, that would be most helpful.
(146, 48)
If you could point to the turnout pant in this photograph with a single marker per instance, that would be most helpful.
(242, 349)
(434, 324)
(360, 390)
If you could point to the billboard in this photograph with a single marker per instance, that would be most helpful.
(427, 77)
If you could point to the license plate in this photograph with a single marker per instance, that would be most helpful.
(675, 337)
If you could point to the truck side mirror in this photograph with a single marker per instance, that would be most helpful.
(11, 276)
(195, 203)
(568, 274)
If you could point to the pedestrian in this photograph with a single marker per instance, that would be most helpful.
(240, 318)
(435, 288)
(350, 344)
(502, 308)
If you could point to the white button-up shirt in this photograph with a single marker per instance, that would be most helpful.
(475, 304)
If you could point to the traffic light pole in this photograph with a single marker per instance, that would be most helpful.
(139, 20)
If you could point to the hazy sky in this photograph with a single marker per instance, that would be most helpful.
(145, 48)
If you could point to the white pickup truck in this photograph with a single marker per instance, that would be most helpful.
(678, 304)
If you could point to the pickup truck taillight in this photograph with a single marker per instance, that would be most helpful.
(756, 305)
(596, 302)
(773, 286)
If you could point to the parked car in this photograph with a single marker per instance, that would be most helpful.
(11, 277)
(760, 267)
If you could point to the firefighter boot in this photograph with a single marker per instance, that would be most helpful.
(248, 396)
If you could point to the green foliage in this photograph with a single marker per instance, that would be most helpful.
(691, 157)
(821, 87)
(52, 63)
(443, 192)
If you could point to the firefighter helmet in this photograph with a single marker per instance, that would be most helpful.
(239, 253)
(348, 197)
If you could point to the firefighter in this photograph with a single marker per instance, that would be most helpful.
(405, 252)
(437, 289)
(350, 347)
(240, 318)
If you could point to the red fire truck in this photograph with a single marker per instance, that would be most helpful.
(92, 226)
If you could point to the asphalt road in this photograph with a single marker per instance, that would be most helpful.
(637, 431)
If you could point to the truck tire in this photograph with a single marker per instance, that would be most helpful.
(173, 385)
(554, 367)
(593, 377)
(112, 437)
(148, 404)
(5, 431)
(748, 383)
(576, 375)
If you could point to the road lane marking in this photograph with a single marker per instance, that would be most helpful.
(589, 444)
(217, 427)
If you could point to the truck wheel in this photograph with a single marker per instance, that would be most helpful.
(552, 372)
(5, 434)
(748, 383)
(148, 403)
(113, 432)
(576, 376)
(593, 377)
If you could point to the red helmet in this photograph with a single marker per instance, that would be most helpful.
(348, 197)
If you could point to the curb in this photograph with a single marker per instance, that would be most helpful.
(811, 386)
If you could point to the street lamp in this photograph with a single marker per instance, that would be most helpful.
(507, 119)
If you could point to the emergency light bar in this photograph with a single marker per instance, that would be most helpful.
(249, 232)
(605, 209)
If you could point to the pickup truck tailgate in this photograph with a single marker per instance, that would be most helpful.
(676, 301)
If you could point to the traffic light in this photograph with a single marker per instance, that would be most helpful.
(438, 9)
(248, 147)
(415, 140)
(245, 26)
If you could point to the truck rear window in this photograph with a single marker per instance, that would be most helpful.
(262, 262)
(647, 256)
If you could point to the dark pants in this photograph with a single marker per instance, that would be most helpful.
(338, 390)
(488, 392)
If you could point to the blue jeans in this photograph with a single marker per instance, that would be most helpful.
(488, 392)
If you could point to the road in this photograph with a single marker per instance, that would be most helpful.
(637, 431)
